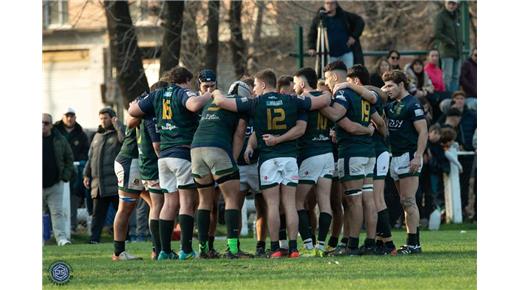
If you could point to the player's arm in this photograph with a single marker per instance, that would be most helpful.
(132, 122)
(250, 148)
(360, 90)
(142, 107)
(238, 138)
(379, 91)
(224, 102)
(194, 103)
(334, 112)
(151, 128)
(380, 123)
(355, 128)
(294, 133)
(422, 129)
(318, 102)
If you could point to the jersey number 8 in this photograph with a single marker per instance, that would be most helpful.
(276, 119)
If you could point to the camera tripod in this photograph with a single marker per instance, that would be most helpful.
(322, 48)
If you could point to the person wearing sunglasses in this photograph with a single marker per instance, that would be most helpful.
(448, 38)
(393, 57)
(57, 168)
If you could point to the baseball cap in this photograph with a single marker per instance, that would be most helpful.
(207, 75)
(70, 110)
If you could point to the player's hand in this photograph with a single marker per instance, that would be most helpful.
(86, 182)
(415, 164)
(311, 52)
(332, 134)
(340, 86)
(270, 140)
(371, 128)
(351, 40)
(248, 154)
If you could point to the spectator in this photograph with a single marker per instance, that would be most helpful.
(78, 142)
(434, 71)
(437, 165)
(382, 66)
(468, 119)
(393, 57)
(56, 168)
(343, 30)
(99, 173)
(449, 40)
(468, 79)
(420, 83)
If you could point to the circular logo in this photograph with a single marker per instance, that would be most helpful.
(60, 272)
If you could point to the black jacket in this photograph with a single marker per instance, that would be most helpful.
(354, 24)
(63, 156)
(77, 139)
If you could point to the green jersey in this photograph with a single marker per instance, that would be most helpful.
(216, 128)
(176, 123)
(316, 140)
(146, 136)
(359, 111)
(401, 116)
(275, 114)
(380, 142)
(253, 159)
(129, 148)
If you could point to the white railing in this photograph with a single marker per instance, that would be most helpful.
(452, 191)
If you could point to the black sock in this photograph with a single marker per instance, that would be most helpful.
(165, 233)
(282, 233)
(211, 242)
(203, 220)
(344, 240)
(156, 238)
(379, 243)
(390, 245)
(293, 245)
(275, 246)
(313, 238)
(333, 241)
(379, 226)
(304, 224)
(353, 243)
(260, 244)
(238, 243)
(412, 240)
(232, 217)
(386, 228)
(418, 237)
(186, 222)
(119, 247)
(324, 224)
(370, 243)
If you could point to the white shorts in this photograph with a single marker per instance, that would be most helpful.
(249, 178)
(400, 166)
(175, 173)
(281, 170)
(382, 164)
(315, 167)
(128, 176)
(357, 168)
(152, 186)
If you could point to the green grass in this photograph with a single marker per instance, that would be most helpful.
(449, 261)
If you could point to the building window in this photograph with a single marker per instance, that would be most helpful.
(55, 13)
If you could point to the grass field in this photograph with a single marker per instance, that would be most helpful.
(449, 261)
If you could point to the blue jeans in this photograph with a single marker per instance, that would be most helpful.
(451, 73)
(347, 59)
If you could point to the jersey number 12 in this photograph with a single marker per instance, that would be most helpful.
(276, 119)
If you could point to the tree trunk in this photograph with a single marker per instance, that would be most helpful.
(252, 61)
(212, 42)
(238, 45)
(171, 46)
(125, 54)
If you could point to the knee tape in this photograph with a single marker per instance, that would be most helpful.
(368, 187)
(233, 176)
(127, 199)
(353, 192)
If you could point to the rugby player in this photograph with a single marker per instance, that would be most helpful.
(129, 189)
(175, 108)
(408, 135)
(356, 154)
(279, 120)
(215, 147)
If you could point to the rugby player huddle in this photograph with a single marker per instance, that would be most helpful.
(293, 143)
